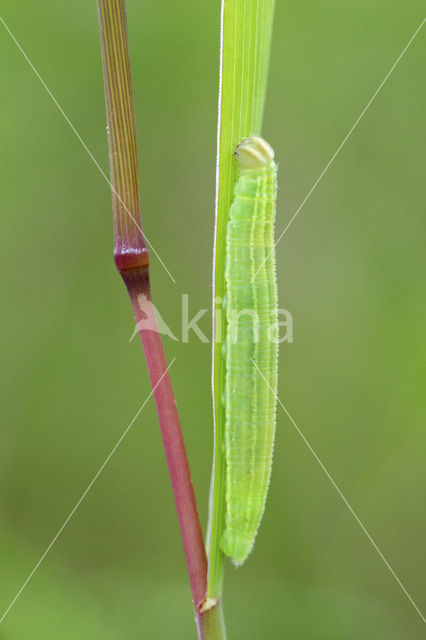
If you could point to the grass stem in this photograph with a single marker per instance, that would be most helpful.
(132, 261)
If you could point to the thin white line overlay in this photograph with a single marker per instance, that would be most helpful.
(340, 494)
(327, 166)
(84, 145)
(78, 503)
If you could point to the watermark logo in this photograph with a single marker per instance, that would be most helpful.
(152, 320)
(240, 322)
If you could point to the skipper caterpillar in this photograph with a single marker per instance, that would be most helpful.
(251, 313)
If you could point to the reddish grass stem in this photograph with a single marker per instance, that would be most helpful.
(137, 283)
(132, 261)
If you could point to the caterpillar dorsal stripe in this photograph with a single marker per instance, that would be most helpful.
(251, 313)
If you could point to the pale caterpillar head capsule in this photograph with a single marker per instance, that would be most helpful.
(254, 153)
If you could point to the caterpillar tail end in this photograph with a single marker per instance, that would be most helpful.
(235, 548)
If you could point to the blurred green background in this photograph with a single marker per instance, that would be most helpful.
(351, 272)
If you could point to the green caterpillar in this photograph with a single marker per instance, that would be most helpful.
(251, 344)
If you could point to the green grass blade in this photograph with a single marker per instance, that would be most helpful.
(245, 47)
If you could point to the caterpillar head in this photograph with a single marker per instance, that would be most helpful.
(254, 153)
